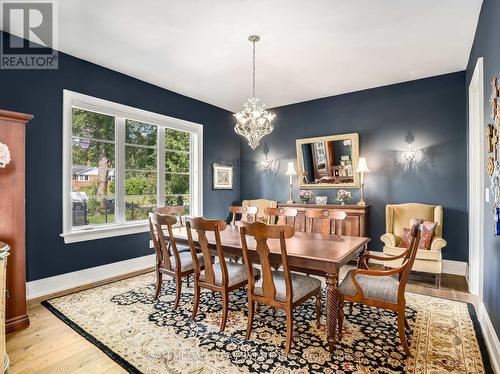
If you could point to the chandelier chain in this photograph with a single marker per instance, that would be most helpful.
(253, 64)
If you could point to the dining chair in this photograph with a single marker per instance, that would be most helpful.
(218, 276)
(331, 221)
(379, 288)
(279, 216)
(248, 213)
(278, 289)
(168, 259)
(176, 210)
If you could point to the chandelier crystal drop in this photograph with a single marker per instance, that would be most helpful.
(254, 121)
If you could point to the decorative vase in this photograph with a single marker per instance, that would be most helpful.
(304, 201)
(342, 203)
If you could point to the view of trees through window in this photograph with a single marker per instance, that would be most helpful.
(93, 182)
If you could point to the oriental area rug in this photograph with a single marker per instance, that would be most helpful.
(147, 336)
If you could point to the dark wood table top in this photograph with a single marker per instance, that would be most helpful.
(324, 253)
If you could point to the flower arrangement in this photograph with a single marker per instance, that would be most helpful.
(4, 155)
(343, 196)
(305, 196)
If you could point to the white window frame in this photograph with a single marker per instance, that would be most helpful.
(121, 112)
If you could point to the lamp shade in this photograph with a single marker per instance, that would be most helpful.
(362, 166)
(290, 169)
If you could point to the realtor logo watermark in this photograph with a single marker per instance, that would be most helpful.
(29, 40)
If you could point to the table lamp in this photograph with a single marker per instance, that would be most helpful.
(291, 172)
(362, 169)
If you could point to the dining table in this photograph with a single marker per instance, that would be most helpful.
(312, 253)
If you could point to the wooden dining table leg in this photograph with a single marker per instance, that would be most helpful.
(332, 308)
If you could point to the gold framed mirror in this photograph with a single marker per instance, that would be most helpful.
(328, 161)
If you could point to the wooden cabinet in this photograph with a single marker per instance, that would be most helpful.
(12, 216)
(355, 224)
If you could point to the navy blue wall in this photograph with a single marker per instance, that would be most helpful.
(486, 45)
(40, 92)
(432, 109)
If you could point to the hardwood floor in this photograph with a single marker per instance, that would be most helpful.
(50, 346)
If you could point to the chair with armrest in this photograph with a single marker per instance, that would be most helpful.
(261, 204)
(397, 218)
(379, 288)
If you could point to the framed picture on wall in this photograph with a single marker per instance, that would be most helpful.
(222, 177)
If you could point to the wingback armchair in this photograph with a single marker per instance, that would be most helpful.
(397, 218)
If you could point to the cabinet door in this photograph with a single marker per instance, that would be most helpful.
(350, 226)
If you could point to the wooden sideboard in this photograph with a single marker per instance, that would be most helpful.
(355, 224)
(12, 216)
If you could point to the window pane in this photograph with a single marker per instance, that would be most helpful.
(178, 200)
(177, 184)
(140, 183)
(93, 125)
(138, 207)
(177, 162)
(92, 210)
(178, 140)
(88, 180)
(140, 133)
(140, 191)
(140, 158)
(91, 153)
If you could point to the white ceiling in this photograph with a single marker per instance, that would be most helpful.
(308, 49)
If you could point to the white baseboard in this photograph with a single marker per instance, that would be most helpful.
(46, 286)
(449, 266)
(490, 337)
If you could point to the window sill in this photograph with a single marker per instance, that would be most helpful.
(104, 232)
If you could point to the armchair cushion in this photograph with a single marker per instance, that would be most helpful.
(422, 254)
(382, 288)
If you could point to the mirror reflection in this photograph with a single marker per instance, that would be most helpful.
(327, 160)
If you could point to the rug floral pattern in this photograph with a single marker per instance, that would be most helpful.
(154, 338)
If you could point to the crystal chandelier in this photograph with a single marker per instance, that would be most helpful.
(254, 121)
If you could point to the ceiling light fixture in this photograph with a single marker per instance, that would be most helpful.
(254, 121)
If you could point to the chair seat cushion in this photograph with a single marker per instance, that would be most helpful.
(236, 273)
(382, 288)
(182, 248)
(186, 261)
(301, 285)
(422, 254)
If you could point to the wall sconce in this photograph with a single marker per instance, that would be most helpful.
(409, 155)
(265, 164)
(4, 155)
